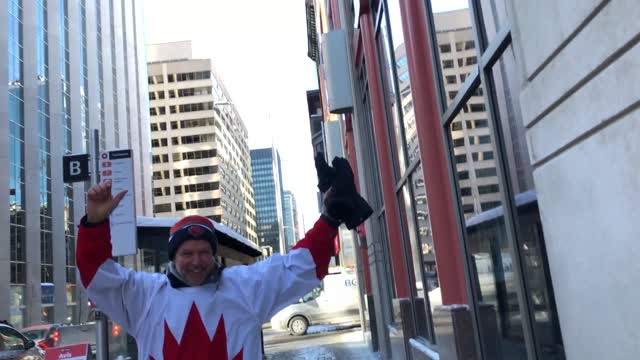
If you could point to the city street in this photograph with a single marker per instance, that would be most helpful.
(340, 344)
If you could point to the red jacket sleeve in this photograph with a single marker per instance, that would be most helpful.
(93, 249)
(320, 242)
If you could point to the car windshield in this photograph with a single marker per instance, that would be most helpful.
(10, 340)
(35, 334)
(311, 295)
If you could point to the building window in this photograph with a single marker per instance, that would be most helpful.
(161, 208)
(447, 64)
(465, 191)
(468, 45)
(460, 62)
(488, 189)
(489, 205)
(452, 95)
(484, 139)
(451, 79)
(472, 60)
(456, 126)
(163, 126)
(171, 78)
(486, 172)
(445, 48)
(477, 107)
(458, 142)
(461, 159)
(463, 175)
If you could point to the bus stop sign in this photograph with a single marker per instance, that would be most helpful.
(75, 168)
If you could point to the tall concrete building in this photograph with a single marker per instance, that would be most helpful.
(290, 215)
(68, 67)
(267, 187)
(201, 162)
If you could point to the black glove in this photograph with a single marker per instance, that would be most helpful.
(342, 201)
(325, 173)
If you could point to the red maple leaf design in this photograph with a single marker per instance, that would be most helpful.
(195, 342)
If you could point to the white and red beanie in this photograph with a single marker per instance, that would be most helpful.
(192, 227)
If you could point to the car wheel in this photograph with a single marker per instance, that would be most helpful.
(298, 325)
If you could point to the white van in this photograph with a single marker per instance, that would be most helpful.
(334, 302)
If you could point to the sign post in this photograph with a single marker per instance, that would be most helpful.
(117, 166)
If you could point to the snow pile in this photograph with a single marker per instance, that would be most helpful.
(319, 329)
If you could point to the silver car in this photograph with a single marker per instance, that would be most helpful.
(14, 345)
(334, 302)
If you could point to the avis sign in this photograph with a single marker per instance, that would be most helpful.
(71, 352)
(75, 168)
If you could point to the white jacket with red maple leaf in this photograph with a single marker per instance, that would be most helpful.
(220, 320)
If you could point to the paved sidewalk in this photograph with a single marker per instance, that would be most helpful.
(350, 347)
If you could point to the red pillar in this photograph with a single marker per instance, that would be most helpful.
(432, 153)
(383, 152)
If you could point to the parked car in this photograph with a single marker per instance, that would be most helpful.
(334, 302)
(14, 345)
(38, 333)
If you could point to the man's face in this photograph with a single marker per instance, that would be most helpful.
(194, 261)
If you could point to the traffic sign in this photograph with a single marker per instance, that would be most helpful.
(71, 352)
(75, 168)
(117, 166)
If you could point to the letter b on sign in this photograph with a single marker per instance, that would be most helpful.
(75, 168)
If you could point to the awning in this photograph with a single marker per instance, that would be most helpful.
(226, 236)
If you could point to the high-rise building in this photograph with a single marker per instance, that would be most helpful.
(201, 162)
(267, 189)
(290, 214)
(69, 67)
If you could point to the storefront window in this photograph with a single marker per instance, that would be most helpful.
(72, 314)
(512, 291)
(400, 98)
(47, 315)
(387, 64)
(423, 254)
(494, 17)
(17, 305)
(530, 237)
(456, 48)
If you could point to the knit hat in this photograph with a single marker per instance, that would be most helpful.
(192, 227)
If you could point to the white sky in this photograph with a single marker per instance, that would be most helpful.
(259, 48)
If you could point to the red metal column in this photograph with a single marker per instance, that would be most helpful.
(432, 153)
(383, 152)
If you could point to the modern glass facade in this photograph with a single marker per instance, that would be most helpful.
(17, 203)
(56, 56)
(266, 174)
(439, 145)
(290, 213)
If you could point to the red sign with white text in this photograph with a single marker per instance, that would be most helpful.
(71, 352)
